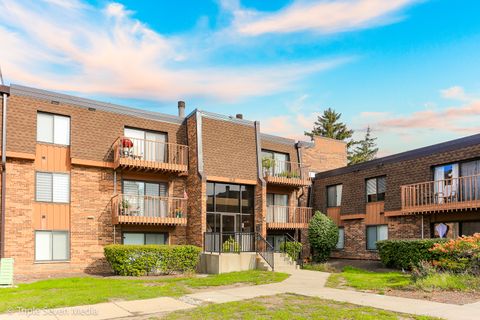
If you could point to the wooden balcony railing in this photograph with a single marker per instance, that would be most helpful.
(442, 195)
(285, 172)
(129, 209)
(285, 217)
(149, 154)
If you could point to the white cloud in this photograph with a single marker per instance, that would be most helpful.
(318, 16)
(71, 46)
(454, 93)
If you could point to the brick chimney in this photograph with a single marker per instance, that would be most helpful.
(181, 109)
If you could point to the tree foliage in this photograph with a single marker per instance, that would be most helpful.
(322, 235)
(365, 150)
(329, 126)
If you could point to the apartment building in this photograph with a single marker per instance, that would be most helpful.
(81, 174)
(424, 193)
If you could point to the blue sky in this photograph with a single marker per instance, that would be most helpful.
(409, 69)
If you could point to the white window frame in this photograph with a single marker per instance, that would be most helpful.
(55, 133)
(166, 235)
(51, 243)
(52, 186)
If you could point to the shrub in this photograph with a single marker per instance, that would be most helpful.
(459, 255)
(406, 254)
(137, 260)
(291, 248)
(322, 235)
(230, 245)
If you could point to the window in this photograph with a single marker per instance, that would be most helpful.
(52, 246)
(52, 187)
(278, 164)
(374, 234)
(141, 238)
(277, 208)
(376, 189)
(341, 238)
(52, 128)
(147, 145)
(334, 195)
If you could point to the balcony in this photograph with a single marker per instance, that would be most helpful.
(149, 210)
(285, 173)
(131, 153)
(284, 217)
(442, 195)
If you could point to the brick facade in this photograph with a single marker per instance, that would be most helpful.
(407, 168)
(220, 149)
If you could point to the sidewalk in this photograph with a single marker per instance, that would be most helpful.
(303, 282)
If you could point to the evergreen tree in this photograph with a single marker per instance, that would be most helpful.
(328, 125)
(365, 149)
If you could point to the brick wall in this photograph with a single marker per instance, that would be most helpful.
(325, 154)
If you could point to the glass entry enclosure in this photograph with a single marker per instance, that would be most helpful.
(230, 217)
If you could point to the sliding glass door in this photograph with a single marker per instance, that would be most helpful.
(145, 198)
(148, 145)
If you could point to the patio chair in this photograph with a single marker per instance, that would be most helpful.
(6, 272)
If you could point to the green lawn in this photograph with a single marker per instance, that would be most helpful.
(287, 307)
(380, 281)
(89, 290)
(367, 280)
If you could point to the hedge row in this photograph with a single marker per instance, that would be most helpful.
(137, 260)
(406, 254)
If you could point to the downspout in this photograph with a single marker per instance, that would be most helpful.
(5, 93)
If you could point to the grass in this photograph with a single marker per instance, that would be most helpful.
(89, 290)
(287, 307)
(380, 281)
(367, 280)
(448, 282)
(323, 267)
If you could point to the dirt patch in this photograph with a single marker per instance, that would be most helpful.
(452, 297)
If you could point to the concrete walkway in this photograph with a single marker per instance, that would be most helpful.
(303, 282)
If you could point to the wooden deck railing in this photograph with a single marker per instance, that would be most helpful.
(442, 195)
(288, 217)
(285, 172)
(149, 210)
(132, 152)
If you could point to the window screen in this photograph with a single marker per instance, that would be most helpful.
(374, 234)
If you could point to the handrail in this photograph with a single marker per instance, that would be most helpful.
(138, 150)
(285, 169)
(288, 214)
(149, 206)
(229, 242)
(266, 251)
(458, 192)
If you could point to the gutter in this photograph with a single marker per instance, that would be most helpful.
(5, 91)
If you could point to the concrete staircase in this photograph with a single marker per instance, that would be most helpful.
(282, 263)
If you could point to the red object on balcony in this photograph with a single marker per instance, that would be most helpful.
(127, 143)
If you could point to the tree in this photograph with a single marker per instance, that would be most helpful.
(365, 149)
(322, 235)
(328, 125)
